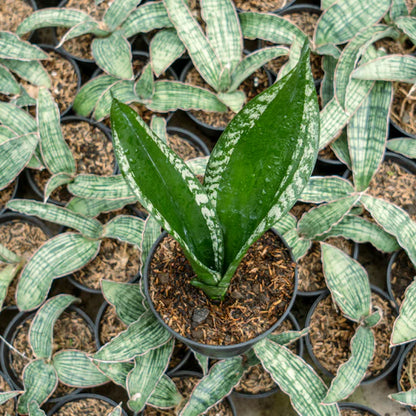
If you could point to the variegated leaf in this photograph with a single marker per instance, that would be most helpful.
(407, 398)
(298, 244)
(171, 95)
(89, 227)
(12, 47)
(40, 381)
(58, 257)
(347, 281)
(217, 384)
(50, 17)
(8, 256)
(31, 71)
(295, 378)
(125, 228)
(94, 207)
(83, 28)
(233, 100)
(341, 150)
(117, 411)
(203, 362)
(8, 84)
(321, 219)
(404, 329)
(395, 221)
(126, 299)
(140, 337)
(165, 395)
(327, 85)
(351, 373)
(360, 230)
(355, 16)
(116, 372)
(287, 337)
(118, 12)
(17, 119)
(325, 189)
(407, 25)
(113, 55)
(35, 410)
(54, 182)
(398, 8)
(151, 232)
(41, 328)
(286, 223)
(404, 146)
(165, 48)
(144, 86)
(74, 368)
(148, 371)
(333, 119)
(388, 68)
(55, 151)
(5, 396)
(7, 274)
(158, 125)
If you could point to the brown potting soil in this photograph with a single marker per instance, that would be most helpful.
(403, 106)
(80, 47)
(23, 239)
(327, 153)
(12, 13)
(185, 386)
(402, 274)
(183, 148)
(259, 293)
(252, 86)
(300, 208)
(262, 6)
(92, 151)
(6, 194)
(408, 372)
(396, 47)
(310, 271)
(410, 4)
(85, 407)
(392, 183)
(351, 412)
(256, 379)
(8, 407)
(331, 333)
(70, 332)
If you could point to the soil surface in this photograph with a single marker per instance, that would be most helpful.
(408, 374)
(331, 333)
(183, 148)
(402, 274)
(262, 6)
(395, 47)
(12, 13)
(350, 412)
(8, 407)
(6, 194)
(404, 106)
(259, 294)
(85, 407)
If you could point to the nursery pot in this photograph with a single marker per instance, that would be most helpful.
(10, 335)
(76, 397)
(190, 137)
(356, 406)
(403, 357)
(216, 351)
(394, 357)
(15, 186)
(288, 4)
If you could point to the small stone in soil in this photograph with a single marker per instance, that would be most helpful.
(199, 315)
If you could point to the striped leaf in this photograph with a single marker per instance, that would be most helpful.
(35, 410)
(351, 373)
(144, 86)
(388, 68)
(17, 119)
(233, 100)
(125, 228)
(41, 328)
(298, 245)
(404, 329)
(15, 154)
(343, 19)
(253, 62)
(269, 27)
(83, 28)
(398, 8)
(94, 207)
(75, 369)
(118, 12)
(148, 371)
(12, 47)
(165, 48)
(58, 257)
(327, 85)
(360, 230)
(31, 71)
(149, 16)
(333, 119)
(158, 125)
(321, 219)
(117, 411)
(40, 381)
(5, 396)
(404, 146)
(116, 372)
(348, 282)
(367, 134)
(295, 378)
(109, 188)
(7, 256)
(341, 150)
(372, 320)
(165, 395)
(113, 55)
(287, 337)
(286, 223)
(6, 133)
(216, 385)
(55, 151)
(126, 299)
(34, 162)
(407, 398)
(325, 189)
(395, 221)
(193, 223)
(89, 227)
(54, 182)
(51, 17)
(151, 233)
(407, 25)
(272, 187)
(199, 48)
(8, 84)
(140, 337)
(203, 362)
(171, 95)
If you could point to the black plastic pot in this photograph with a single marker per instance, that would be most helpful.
(190, 137)
(9, 336)
(405, 353)
(7, 380)
(16, 187)
(67, 119)
(76, 397)
(396, 351)
(214, 351)
(275, 389)
(356, 406)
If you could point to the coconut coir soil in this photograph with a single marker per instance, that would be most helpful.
(262, 6)
(408, 372)
(85, 407)
(260, 292)
(402, 274)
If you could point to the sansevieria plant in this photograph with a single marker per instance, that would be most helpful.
(254, 175)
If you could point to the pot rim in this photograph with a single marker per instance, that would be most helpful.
(190, 137)
(406, 351)
(358, 406)
(277, 11)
